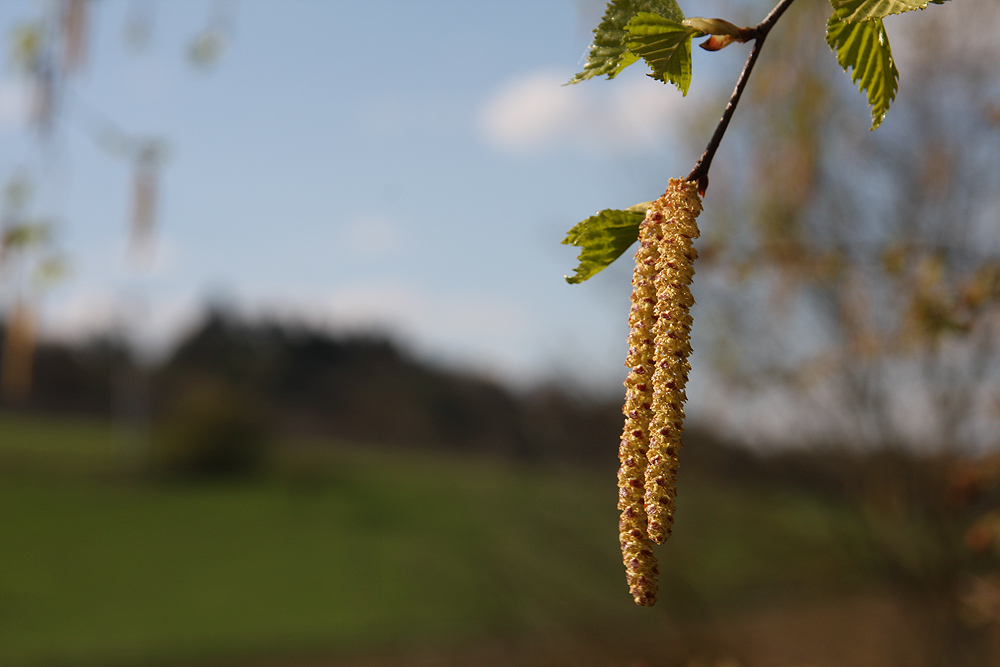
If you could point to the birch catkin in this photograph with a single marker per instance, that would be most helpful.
(659, 346)
(672, 333)
(637, 551)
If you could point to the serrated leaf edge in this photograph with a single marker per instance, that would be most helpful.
(858, 74)
(605, 36)
(640, 26)
(869, 10)
(576, 236)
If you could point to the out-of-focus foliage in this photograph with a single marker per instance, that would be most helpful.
(213, 429)
(306, 382)
(866, 264)
(49, 52)
(850, 281)
(29, 263)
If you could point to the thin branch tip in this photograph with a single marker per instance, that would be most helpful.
(758, 34)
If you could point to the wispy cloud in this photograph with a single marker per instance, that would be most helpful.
(85, 310)
(455, 326)
(535, 113)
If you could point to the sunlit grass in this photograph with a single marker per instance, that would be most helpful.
(56, 442)
(347, 549)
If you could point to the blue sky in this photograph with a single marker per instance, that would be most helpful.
(408, 167)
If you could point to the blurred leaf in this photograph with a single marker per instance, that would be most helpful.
(17, 192)
(206, 48)
(853, 11)
(665, 45)
(603, 238)
(50, 271)
(26, 46)
(21, 236)
(608, 54)
(864, 49)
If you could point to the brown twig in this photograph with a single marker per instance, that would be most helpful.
(758, 33)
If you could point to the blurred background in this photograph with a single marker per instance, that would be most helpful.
(289, 373)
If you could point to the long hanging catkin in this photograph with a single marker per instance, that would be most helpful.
(637, 549)
(672, 334)
(658, 350)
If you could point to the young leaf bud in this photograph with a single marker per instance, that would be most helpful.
(717, 42)
(712, 26)
(722, 33)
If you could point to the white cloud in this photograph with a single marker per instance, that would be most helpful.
(152, 324)
(536, 113)
(457, 326)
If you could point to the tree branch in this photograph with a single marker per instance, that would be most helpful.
(758, 34)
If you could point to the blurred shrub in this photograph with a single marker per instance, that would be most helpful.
(215, 430)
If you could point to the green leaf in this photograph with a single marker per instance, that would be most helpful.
(864, 49)
(665, 45)
(50, 271)
(853, 11)
(25, 235)
(608, 54)
(603, 238)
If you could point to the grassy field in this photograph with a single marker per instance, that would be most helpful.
(346, 551)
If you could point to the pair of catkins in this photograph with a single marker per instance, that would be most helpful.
(659, 346)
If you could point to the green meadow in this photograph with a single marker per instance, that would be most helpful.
(341, 550)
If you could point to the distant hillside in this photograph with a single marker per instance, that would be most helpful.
(250, 376)
(306, 381)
